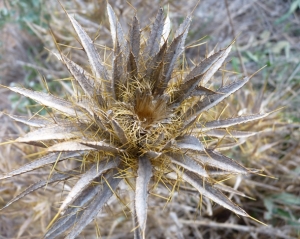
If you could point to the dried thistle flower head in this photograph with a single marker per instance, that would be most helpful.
(142, 120)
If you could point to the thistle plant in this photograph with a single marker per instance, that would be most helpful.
(139, 117)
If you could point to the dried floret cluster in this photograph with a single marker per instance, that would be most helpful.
(142, 119)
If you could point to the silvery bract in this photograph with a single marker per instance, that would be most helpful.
(141, 118)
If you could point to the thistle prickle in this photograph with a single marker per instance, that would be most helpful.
(142, 119)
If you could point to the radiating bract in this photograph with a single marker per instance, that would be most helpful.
(139, 119)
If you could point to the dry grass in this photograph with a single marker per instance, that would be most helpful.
(260, 41)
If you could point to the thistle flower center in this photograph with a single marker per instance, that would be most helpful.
(148, 109)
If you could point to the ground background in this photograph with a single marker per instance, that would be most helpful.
(268, 33)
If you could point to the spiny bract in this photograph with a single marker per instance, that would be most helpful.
(144, 118)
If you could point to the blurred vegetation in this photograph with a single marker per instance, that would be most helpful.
(270, 35)
(22, 12)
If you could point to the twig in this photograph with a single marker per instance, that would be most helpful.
(236, 42)
(249, 229)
